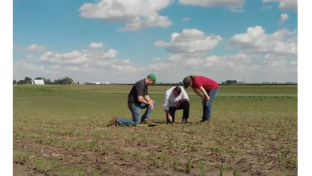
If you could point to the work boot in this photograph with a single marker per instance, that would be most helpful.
(113, 121)
(205, 120)
(144, 122)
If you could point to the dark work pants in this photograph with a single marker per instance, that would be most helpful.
(186, 109)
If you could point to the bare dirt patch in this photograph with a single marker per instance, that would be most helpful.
(22, 170)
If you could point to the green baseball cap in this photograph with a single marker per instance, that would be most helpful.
(186, 81)
(152, 77)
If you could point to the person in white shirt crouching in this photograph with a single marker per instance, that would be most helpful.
(176, 99)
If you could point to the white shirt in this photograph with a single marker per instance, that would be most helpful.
(170, 100)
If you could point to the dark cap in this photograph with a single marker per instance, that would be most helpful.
(186, 81)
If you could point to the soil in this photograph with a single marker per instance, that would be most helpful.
(161, 150)
(22, 170)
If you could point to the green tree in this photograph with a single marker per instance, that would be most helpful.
(69, 80)
(27, 80)
(39, 78)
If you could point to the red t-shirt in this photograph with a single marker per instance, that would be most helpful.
(207, 83)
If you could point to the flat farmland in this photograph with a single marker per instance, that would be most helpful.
(62, 130)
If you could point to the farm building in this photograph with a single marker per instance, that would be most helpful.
(39, 82)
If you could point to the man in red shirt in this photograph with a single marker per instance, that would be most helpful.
(208, 87)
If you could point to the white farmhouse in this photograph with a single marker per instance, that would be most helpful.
(39, 82)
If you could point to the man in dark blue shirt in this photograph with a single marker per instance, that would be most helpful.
(139, 99)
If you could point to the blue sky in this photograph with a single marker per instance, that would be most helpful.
(59, 28)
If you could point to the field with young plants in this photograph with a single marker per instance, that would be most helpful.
(61, 130)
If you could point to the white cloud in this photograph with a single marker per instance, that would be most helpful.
(294, 62)
(189, 43)
(35, 47)
(253, 67)
(77, 57)
(278, 62)
(261, 57)
(96, 45)
(24, 68)
(186, 19)
(284, 17)
(84, 65)
(285, 4)
(266, 7)
(136, 14)
(234, 5)
(30, 57)
(256, 40)
(237, 66)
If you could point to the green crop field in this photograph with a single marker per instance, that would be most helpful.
(62, 130)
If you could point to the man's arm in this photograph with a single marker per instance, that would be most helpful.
(148, 99)
(196, 91)
(166, 101)
(183, 100)
(204, 92)
(140, 93)
(184, 97)
(165, 105)
(141, 99)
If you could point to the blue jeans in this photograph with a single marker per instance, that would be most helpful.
(136, 114)
(207, 105)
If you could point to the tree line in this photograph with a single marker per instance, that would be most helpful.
(230, 82)
(28, 80)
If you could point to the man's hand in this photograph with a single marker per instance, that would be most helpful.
(206, 98)
(149, 101)
(151, 104)
(203, 97)
(169, 118)
(178, 104)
